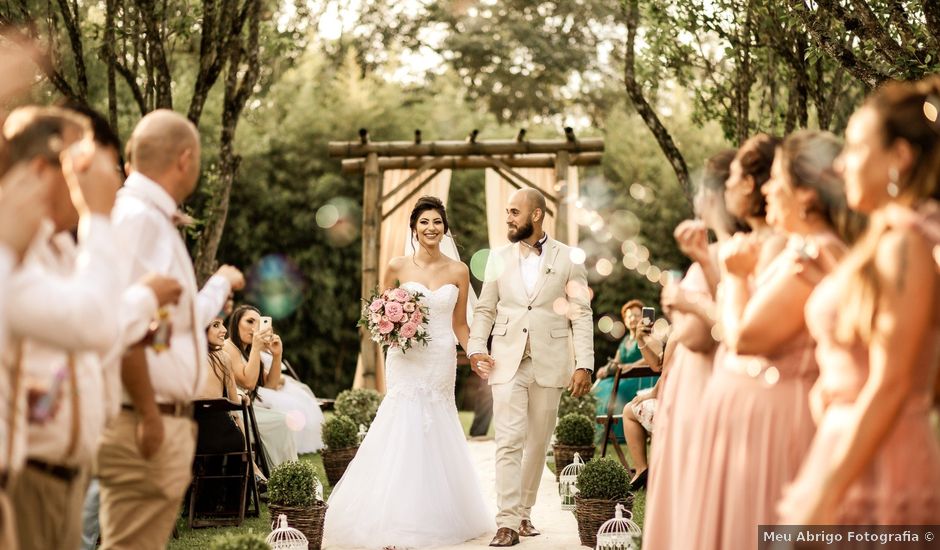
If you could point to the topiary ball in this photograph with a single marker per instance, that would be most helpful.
(359, 404)
(340, 432)
(239, 541)
(293, 484)
(586, 405)
(575, 429)
(605, 479)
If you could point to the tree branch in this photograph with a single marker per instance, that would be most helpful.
(632, 12)
(163, 81)
(932, 15)
(865, 73)
(75, 39)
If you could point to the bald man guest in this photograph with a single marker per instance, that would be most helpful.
(538, 350)
(147, 451)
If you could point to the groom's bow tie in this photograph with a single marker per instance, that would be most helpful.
(536, 248)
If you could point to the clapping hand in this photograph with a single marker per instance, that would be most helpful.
(692, 238)
(23, 205)
(739, 255)
(167, 290)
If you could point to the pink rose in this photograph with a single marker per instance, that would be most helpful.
(385, 326)
(400, 295)
(394, 312)
(376, 318)
(408, 330)
(409, 307)
(376, 305)
(416, 318)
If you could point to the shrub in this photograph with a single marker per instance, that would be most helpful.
(586, 405)
(359, 404)
(239, 541)
(293, 484)
(340, 432)
(604, 478)
(575, 429)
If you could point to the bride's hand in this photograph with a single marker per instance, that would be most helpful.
(482, 364)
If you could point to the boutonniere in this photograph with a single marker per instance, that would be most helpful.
(549, 270)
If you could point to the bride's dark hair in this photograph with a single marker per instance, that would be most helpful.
(424, 204)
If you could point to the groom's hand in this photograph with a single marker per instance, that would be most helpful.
(481, 364)
(580, 382)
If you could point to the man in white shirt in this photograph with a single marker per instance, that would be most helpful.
(146, 454)
(61, 313)
(22, 206)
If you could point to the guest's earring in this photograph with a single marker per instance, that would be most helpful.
(893, 177)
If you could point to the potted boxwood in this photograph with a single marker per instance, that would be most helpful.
(239, 541)
(359, 405)
(602, 484)
(573, 434)
(341, 437)
(292, 492)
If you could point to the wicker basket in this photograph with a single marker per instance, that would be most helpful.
(564, 455)
(591, 513)
(336, 461)
(308, 521)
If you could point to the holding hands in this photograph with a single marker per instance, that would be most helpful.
(482, 364)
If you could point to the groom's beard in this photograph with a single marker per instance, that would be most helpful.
(521, 233)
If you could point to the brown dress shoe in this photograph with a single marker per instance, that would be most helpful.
(526, 529)
(505, 537)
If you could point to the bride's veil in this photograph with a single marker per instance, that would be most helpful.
(449, 249)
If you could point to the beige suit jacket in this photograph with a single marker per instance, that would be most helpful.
(556, 318)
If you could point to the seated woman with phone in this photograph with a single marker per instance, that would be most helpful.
(258, 350)
(638, 349)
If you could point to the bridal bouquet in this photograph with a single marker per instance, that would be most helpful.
(396, 318)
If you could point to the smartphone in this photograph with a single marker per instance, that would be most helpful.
(45, 406)
(649, 315)
(264, 323)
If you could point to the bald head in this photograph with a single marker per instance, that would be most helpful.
(165, 148)
(525, 214)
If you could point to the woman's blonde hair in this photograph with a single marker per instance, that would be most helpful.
(907, 111)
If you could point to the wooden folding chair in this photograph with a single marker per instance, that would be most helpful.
(243, 474)
(612, 418)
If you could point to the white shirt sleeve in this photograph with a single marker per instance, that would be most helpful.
(74, 312)
(211, 299)
(7, 261)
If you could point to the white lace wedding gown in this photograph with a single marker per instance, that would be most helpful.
(412, 483)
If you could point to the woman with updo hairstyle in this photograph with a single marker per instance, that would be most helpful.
(875, 459)
(755, 422)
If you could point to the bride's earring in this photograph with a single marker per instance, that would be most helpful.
(893, 178)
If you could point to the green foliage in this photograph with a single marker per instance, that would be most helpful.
(293, 484)
(575, 429)
(604, 478)
(339, 432)
(239, 541)
(585, 405)
(359, 405)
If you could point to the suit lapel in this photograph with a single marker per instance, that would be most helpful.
(551, 252)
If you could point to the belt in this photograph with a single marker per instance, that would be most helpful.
(62, 473)
(184, 410)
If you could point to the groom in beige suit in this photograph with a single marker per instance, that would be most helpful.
(538, 311)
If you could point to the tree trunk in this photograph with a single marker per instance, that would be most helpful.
(110, 61)
(236, 96)
(643, 108)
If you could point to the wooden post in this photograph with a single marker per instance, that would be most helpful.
(562, 161)
(371, 240)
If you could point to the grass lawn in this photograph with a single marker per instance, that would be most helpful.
(199, 539)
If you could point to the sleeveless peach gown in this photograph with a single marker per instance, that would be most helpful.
(677, 413)
(902, 483)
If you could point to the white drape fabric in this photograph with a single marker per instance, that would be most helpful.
(498, 191)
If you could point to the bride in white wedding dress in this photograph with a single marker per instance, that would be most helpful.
(412, 483)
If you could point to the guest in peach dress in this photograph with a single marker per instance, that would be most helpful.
(755, 422)
(688, 363)
(876, 458)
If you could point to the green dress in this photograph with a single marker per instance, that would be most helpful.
(628, 352)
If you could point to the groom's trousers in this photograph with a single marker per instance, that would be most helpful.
(524, 414)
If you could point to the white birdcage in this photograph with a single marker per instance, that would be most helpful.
(285, 537)
(619, 533)
(567, 482)
(362, 432)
